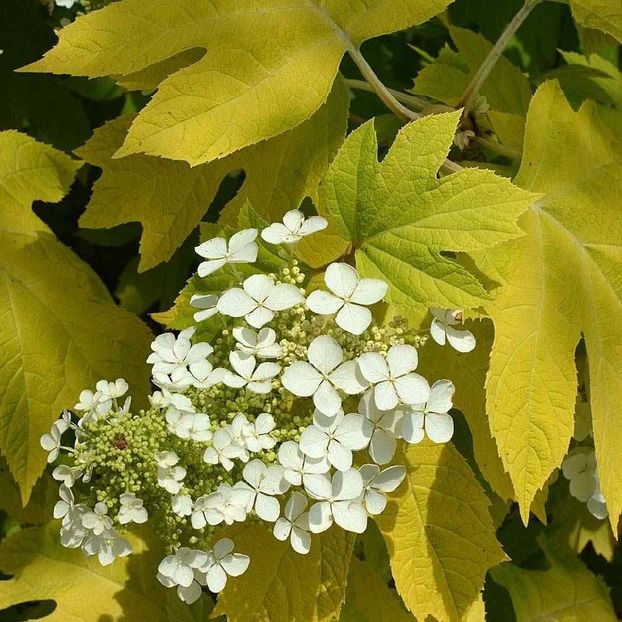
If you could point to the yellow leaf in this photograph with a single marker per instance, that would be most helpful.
(169, 198)
(605, 15)
(566, 592)
(281, 585)
(369, 599)
(269, 65)
(560, 280)
(439, 532)
(83, 590)
(60, 330)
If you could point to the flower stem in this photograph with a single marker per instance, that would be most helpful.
(411, 100)
(468, 97)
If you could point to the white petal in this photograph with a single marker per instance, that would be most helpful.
(258, 286)
(348, 378)
(301, 540)
(389, 479)
(341, 279)
(375, 502)
(216, 578)
(369, 291)
(323, 303)
(320, 517)
(235, 302)
(243, 363)
(296, 505)
(441, 394)
(582, 486)
(350, 515)
(326, 399)
(385, 396)
(354, 432)
(190, 594)
(402, 359)
(259, 317)
(245, 336)
(216, 248)
(348, 485)
(293, 220)
(282, 527)
(439, 428)
(412, 427)
(460, 340)
(318, 486)
(283, 296)
(373, 366)
(290, 455)
(242, 247)
(208, 267)
(412, 389)
(339, 456)
(235, 564)
(314, 442)
(324, 353)
(301, 379)
(253, 472)
(437, 332)
(267, 508)
(382, 447)
(266, 371)
(313, 224)
(276, 233)
(353, 318)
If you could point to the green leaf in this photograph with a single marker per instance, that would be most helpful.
(278, 57)
(559, 281)
(169, 198)
(60, 329)
(401, 219)
(566, 592)
(281, 585)
(439, 533)
(369, 599)
(83, 589)
(605, 15)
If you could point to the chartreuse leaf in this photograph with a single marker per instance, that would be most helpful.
(169, 198)
(605, 15)
(369, 599)
(60, 330)
(270, 64)
(560, 280)
(83, 589)
(400, 218)
(566, 592)
(439, 532)
(281, 585)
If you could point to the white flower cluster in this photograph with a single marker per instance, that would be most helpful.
(352, 403)
(579, 467)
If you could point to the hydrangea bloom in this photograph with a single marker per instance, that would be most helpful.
(443, 330)
(431, 417)
(241, 248)
(293, 228)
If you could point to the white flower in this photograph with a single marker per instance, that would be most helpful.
(377, 483)
(596, 504)
(323, 375)
(259, 299)
(297, 465)
(240, 429)
(195, 426)
(580, 468)
(256, 378)
(385, 424)
(262, 344)
(222, 561)
(442, 329)
(178, 568)
(88, 401)
(112, 390)
(170, 475)
(72, 532)
(295, 524)
(207, 303)
(52, 442)
(97, 519)
(131, 510)
(182, 504)
(107, 545)
(339, 501)
(67, 4)
(64, 507)
(393, 378)
(350, 294)
(431, 415)
(294, 227)
(261, 484)
(66, 474)
(241, 248)
(226, 504)
(259, 436)
(223, 449)
(172, 353)
(335, 438)
(178, 380)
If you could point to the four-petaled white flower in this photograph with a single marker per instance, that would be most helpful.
(261, 485)
(339, 500)
(174, 354)
(131, 510)
(182, 504)
(377, 483)
(179, 567)
(52, 442)
(259, 299)
(256, 378)
(223, 449)
(385, 428)
(323, 375)
(226, 504)
(580, 468)
(222, 561)
(97, 520)
(259, 437)
(195, 426)
(107, 545)
(349, 299)
(443, 329)
(207, 303)
(336, 438)
(66, 474)
(241, 248)
(262, 344)
(294, 524)
(88, 401)
(112, 390)
(297, 465)
(170, 474)
(393, 378)
(293, 228)
(431, 416)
